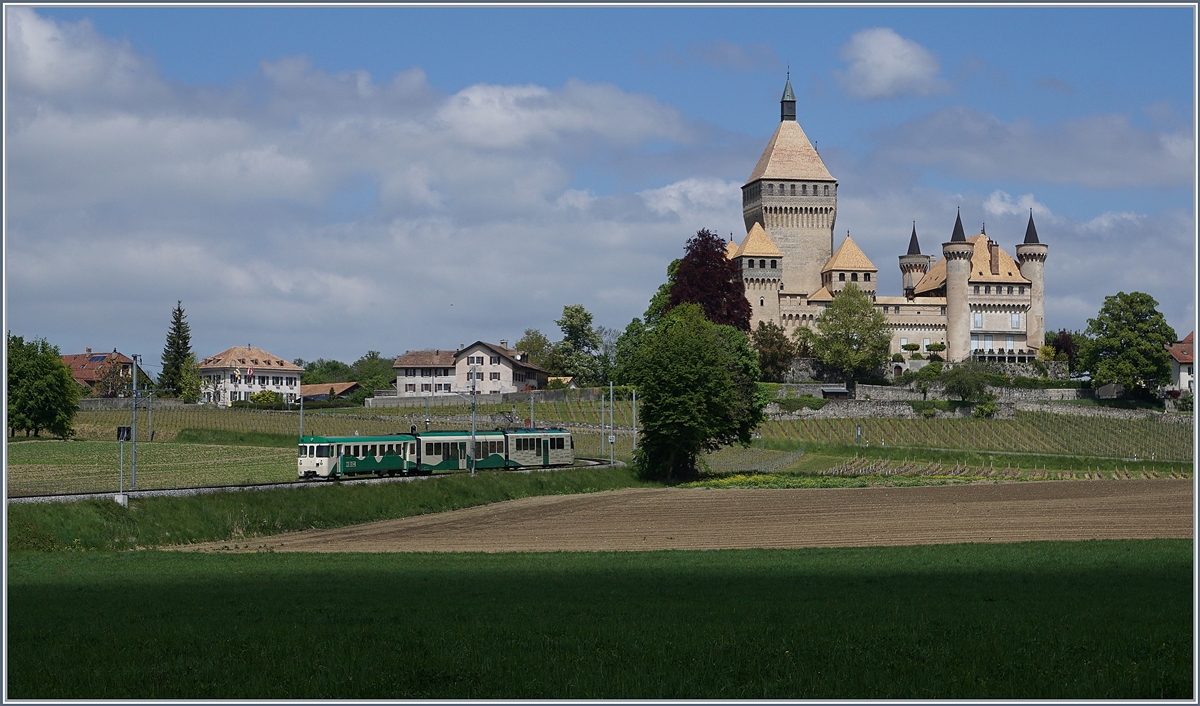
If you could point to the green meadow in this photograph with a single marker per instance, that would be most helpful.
(1086, 620)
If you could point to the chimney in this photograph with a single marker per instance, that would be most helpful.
(504, 344)
(89, 350)
(994, 251)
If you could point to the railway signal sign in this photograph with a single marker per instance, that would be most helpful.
(124, 433)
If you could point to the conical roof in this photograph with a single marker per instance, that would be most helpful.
(789, 155)
(758, 244)
(731, 249)
(1031, 231)
(958, 230)
(914, 248)
(848, 257)
(787, 91)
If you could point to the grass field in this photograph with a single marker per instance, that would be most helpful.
(1087, 620)
(237, 517)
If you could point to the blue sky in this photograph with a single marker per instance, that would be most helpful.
(360, 170)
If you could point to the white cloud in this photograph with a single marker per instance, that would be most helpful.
(693, 196)
(1000, 203)
(1095, 151)
(882, 64)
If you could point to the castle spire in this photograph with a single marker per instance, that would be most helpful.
(1030, 230)
(958, 229)
(787, 104)
(914, 248)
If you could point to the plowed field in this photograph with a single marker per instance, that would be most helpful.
(673, 518)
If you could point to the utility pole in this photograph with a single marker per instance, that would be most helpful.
(612, 428)
(602, 420)
(472, 456)
(635, 419)
(531, 424)
(133, 447)
(301, 415)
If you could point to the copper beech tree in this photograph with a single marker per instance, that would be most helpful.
(706, 277)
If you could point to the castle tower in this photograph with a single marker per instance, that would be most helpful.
(761, 265)
(913, 265)
(793, 197)
(1032, 256)
(958, 254)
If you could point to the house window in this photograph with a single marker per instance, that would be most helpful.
(979, 319)
(410, 372)
(495, 360)
(478, 376)
(410, 387)
(1016, 321)
(866, 276)
(275, 380)
(841, 276)
(425, 387)
(493, 376)
(853, 276)
(424, 372)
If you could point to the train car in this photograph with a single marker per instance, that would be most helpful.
(338, 456)
(425, 453)
(541, 447)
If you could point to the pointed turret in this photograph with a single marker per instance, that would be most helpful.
(958, 234)
(914, 248)
(1031, 231)
(913, 265)
(787, 104)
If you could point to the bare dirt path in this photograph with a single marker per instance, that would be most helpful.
(673, 518)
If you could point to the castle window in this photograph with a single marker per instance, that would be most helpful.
(762, 264)
(866, 276)
(841, 276)
(1008, 343)
(974, 342)
(751, 263)
(943, 311)
(827, 189)
(1020, 290)
(853, 276)
(793, 189)
(804, 189)
(761, 301)
(903, 342)
(1010, 290)
(1016, 321)
(770, 189)
(977, 289)
(979, 319)
(772, 264)
(987, 289)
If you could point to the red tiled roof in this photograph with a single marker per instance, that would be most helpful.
(425, 359)
(1182, 351)
(246, 357)
(89, 367)
(339, 388)
(508, 353)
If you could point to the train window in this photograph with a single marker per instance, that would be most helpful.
(339, 450)
(412, 449)
(303, 451)
(354, 450)
(428, 449)
(323, 451)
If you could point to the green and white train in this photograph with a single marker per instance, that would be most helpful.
(435, 451)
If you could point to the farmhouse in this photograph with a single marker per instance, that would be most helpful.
(977, 300)
(1181, 364)
(102, 373)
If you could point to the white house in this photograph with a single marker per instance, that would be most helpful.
(1182, 377)
(236, 373)
(495, 369)
(425, 373)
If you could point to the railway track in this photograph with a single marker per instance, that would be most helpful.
(209, 489)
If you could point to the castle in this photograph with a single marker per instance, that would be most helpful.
(976, 300)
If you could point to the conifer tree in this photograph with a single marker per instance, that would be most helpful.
(176, 352)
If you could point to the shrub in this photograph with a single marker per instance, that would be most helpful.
(1185, 403)
(897, 358)
(791, 404)
(918, 356)
(1039, 366)
(986, 409)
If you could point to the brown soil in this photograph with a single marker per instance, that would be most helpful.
(673, 518)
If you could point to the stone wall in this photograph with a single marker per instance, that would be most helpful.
(937, 391)
(1093, 411)
(814, 389)
(863, 409)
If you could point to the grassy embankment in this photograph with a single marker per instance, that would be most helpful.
(1085, 620)
(239, 517)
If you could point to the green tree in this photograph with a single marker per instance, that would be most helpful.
(627, 346)
(1127, 343)
(176, 352)
(372, 372)
(662, 298)
(538, 347)
(775, 351)
(697, 387)
(41, 392)
(967, 381)
(853, 337)
(266, 398)
(321, 371)
(576, 354)
(802, 339)
(189, 380)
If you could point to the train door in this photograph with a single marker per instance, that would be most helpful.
(545, 444)
(462, 455)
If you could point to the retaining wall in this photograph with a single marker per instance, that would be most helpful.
(1090, 411)
(937, 391)
(111, 403)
